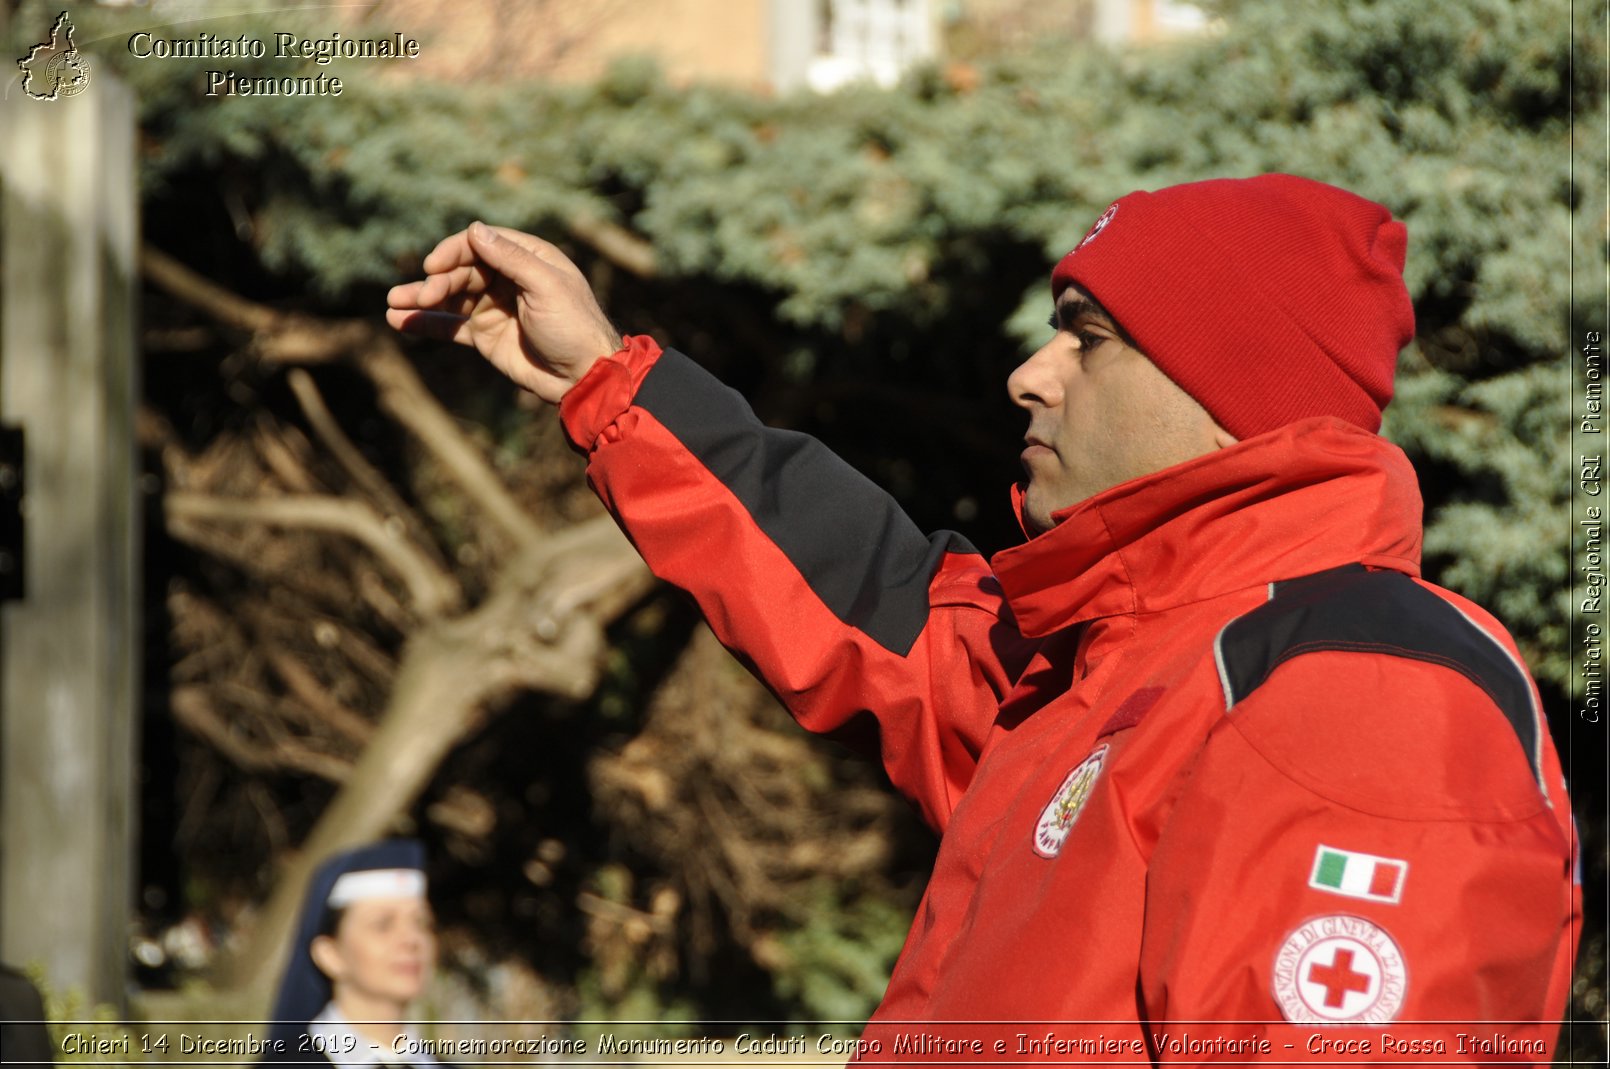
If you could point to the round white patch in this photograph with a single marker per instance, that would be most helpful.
(1339, 969)
(1057, 818)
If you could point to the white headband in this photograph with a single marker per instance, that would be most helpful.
(376, 883)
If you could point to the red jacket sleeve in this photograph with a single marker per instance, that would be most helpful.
(1378, 852)
(807, 571)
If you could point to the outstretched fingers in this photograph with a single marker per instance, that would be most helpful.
(473, 261)
(438, 291)
(440, 326)
(516, 299)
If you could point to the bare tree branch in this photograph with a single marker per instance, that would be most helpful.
(376, 593)
(461, 810)
(433, 590)
(279, 451)
(365, 474)
(301, 682)
(451, 672)
(193, 708)
(282, 337)
(406, 399)
(295, 339)
(588, 566)
(616, 244)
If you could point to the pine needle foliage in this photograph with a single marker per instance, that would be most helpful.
(903, 205)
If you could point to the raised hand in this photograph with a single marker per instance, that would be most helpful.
(515, 299)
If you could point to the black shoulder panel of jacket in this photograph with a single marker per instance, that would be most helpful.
(858, 551)
(1352, 609)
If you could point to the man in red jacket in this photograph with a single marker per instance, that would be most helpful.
(1215, 771)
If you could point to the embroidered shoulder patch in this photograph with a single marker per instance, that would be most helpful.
(1339, 969)
(1355, 875)
(1057, 818)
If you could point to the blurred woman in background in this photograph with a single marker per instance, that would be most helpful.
(365, 948)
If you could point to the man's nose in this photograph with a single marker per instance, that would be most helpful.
(1034, 382)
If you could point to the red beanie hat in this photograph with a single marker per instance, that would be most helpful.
(1268, 299)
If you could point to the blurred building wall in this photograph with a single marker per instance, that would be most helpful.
(758, 45)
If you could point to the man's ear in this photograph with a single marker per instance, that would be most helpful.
(328, 957)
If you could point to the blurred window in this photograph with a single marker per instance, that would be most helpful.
(869, 39)
(1176, 17)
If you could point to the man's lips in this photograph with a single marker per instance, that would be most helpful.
(1034, 447)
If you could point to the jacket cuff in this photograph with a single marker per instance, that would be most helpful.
(592, 405)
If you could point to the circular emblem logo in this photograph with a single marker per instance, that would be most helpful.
(1057, 818)
(67, 74)
(1098, 226)
(1340, 970)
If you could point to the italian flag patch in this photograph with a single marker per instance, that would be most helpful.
(1342, 872)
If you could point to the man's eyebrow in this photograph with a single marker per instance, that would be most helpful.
(1072, 308)
(1066, 311)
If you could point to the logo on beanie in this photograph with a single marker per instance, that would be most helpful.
(1097, 227)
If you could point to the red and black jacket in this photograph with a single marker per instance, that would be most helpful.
(1207, 751)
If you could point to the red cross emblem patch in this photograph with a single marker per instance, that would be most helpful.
(1339, 970)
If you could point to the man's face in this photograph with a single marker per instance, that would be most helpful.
(1100, 413)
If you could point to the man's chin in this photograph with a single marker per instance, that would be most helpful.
(1035, 515)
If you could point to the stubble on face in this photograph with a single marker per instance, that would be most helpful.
(1100, 414)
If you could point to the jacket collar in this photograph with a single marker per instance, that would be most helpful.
(1300, 499)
